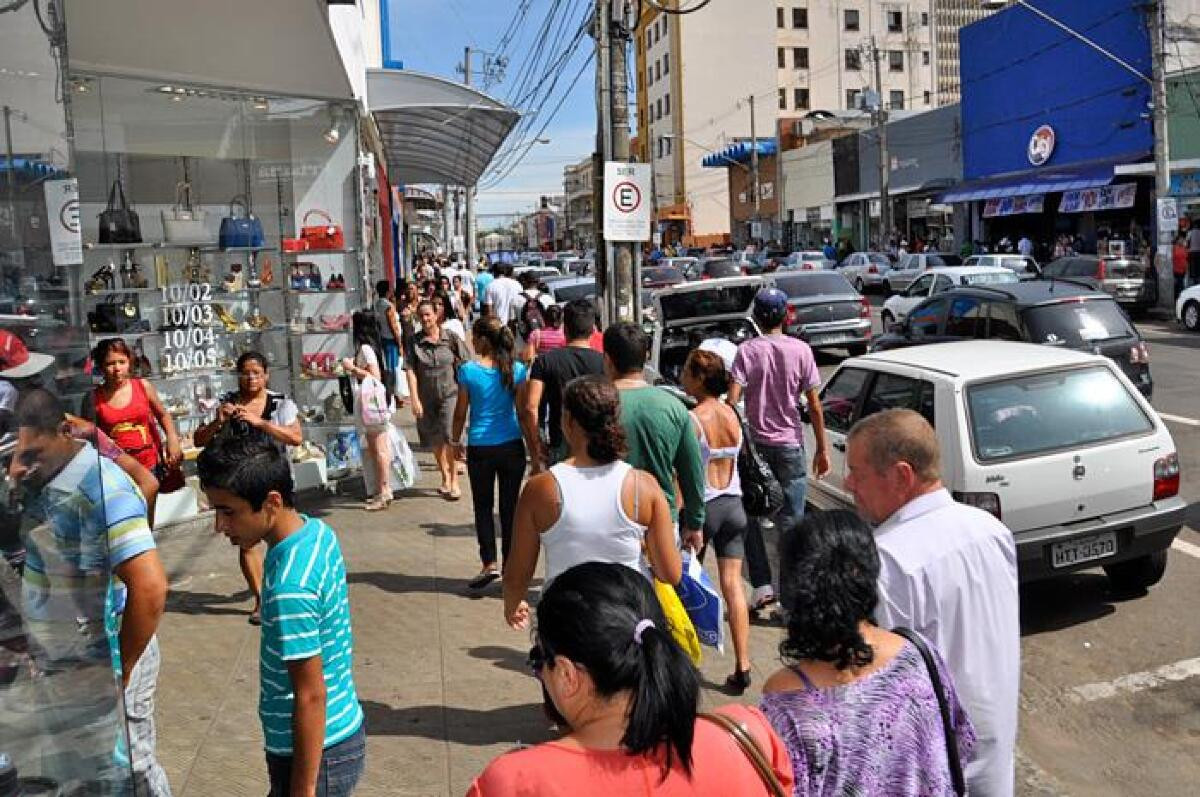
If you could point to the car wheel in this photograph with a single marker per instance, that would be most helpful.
(1191, 316)
(858, 285)
(886, 319)
(857, 350)
(887, 289)
(1138, 575)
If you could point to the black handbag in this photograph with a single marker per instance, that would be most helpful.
(118, 315)
(956, 770)
(346, 389)
(119, 224)
(762, 494)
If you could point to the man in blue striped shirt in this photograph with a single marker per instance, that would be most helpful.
(312, 721)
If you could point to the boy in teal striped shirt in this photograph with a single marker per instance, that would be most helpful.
(312, 721)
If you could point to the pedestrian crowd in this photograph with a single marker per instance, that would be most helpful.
(900, 649)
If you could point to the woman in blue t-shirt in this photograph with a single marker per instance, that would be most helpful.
(490, 388)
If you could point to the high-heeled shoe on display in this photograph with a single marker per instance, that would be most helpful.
(223, 315)
(103, 279)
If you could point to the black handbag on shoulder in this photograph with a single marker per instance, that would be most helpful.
(762, 494)
(119, 223)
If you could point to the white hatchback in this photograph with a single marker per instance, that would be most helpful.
(1187, 308)
(936, 280)
(1056, 443)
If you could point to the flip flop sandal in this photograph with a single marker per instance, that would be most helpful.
(483, 579)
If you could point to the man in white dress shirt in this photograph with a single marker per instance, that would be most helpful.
(949, 572)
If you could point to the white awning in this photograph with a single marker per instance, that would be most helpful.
(435, 130)
(268, 47)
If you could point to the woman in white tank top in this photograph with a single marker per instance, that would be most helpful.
(591, 507)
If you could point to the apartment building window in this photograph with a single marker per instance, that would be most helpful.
(800, 18)
(924, 19)
(666, 105)
(658, 108)
(779, 17)
(853, 60)
(852, 98)
(895, 21)
(649, 75)
(801, 99)
(851, 19)
(895, 60)
(666, 63)
(800, 57)
(658, 70)
(781, 57)
(928, 98)
(896, 100)
(924, 58)
(667, 142)
(783, 99)
(649, 38)
(654, 30)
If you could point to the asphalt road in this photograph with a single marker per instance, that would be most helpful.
(1110, 694)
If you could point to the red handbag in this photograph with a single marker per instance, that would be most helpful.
(325, 236)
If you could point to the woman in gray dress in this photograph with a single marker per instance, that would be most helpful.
(430, 366)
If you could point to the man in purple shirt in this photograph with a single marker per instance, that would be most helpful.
(773, 372)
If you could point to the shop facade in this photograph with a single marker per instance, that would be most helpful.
(808, 208)
(1049, 162)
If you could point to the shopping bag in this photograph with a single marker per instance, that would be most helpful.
(404, 465)
(373, 405)
(702, 602)
(678, 621)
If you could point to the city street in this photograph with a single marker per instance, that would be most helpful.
(1109, 695)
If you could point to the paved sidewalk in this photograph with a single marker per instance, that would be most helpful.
(441, 677)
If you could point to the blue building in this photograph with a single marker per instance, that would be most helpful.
(1050, 123)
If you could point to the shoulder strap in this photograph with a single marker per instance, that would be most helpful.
(750, 748)
(956, 773)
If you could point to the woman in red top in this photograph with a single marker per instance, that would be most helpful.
(1179, 263)
(129, 410)
(627, 696)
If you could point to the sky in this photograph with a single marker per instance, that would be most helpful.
(429, 36)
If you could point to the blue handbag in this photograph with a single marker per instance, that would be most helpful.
(240, 231)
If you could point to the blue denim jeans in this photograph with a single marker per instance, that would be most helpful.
(341, 767)
(790, 467)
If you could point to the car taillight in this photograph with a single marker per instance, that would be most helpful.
(1166, 477)
(872, 270)
(1101, 270)
(988, 502)
(1140, 354)
(745, 272)
(790, 318)
(806, 266)
(706, 276)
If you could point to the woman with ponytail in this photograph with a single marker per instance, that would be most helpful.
(489, 388)
(592, 506)
(626, 695)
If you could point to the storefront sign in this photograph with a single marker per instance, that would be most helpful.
(1041, 145)
(1110, 197)
(1185, 184)
(1168, 216)
(626, 205)
(62, 212)
(1014, 205)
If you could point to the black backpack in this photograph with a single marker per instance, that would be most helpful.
(531, 316)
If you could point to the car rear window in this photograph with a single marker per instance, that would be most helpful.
(1037, 413)
(722, 268)
(661, 274)
(1124, 269)
(1077, 324)
(1073, 267)
(998, 278)
(881, 260)
(569, 293)
(729, 299)
(813, 284)
(943, 260)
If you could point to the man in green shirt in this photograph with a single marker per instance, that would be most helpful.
(661, 437)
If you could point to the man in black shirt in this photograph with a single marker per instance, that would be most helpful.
(550, 374)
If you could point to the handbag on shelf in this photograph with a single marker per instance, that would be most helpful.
(119, 223)
(762, 494)
(956, 770)
(183, 223)
(118, 315)
(750, 748)
(323, 236)
(240, 231)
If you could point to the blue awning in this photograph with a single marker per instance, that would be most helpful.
(1046, 180)
(738, 153)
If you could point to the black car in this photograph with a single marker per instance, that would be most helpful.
(1049, 312)
(654, 277)
(825, 311)
(711, 268)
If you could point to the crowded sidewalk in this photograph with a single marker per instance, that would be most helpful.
(442, 679)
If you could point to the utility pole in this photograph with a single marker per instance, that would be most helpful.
(754, 173)
(615, 273)
(1162, 148)
(469, 233)
(885, 203)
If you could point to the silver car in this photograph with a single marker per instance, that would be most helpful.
(914, 265)
(866, 269)
(1026, 268)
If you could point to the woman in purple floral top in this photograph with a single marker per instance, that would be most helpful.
(854, 704)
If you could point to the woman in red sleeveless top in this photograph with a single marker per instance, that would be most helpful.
(129, 410)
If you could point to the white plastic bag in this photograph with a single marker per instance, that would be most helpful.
(404, 464)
